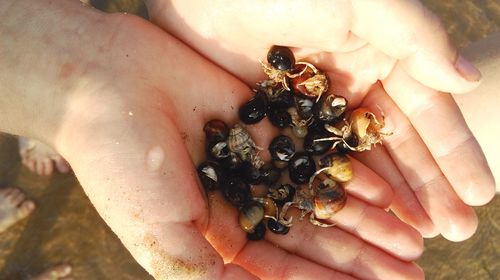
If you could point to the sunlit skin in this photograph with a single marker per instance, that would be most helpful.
(391, 60)
(125, 104)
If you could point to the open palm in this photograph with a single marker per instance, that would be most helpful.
(387, 55)
(132, 130)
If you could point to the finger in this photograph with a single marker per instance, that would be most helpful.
(368, 186)
(405, 204)
(454, 219)
(411, 33)
(230, 240)
(379, 228)
(331, 248)
(270, 262)
(449, 140)
(342, 251)
(416, 37)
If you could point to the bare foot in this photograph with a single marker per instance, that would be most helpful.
(13, 207)
(41, 158)
(54, 273)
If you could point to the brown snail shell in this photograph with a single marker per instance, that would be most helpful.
(329, 199)
(239, 139)
(270, 208)
(338, 166)
(250, 216)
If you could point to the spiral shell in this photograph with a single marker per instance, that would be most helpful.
(239, 140)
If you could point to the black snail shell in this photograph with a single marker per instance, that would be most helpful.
(250, 174)
(317, 147)
(282, 148)
(277, 227)
(254, 110)
(280, 118)
(301, 167)
(210, 174)
(258, 232)
(218, 150)
(232, 162)
(352, 141)
(281, 99)
(216, 131)
(236, 191)
(281, 58)
(330, 108)
(304, 107)
(270, 174)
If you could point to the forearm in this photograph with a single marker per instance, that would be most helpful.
(43, 57)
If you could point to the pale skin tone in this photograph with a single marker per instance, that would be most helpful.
(128, 116)
(395, 59)
(14, 206)
(40, 158)
(58, 272)
(480, 107)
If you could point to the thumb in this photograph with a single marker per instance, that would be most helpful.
(406, 30)
(145, 188)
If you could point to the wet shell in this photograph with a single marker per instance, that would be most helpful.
(281, 58)
(250, 216)
(270, 174)
(254, 110)
(330, 108)
(329, 200)
(270, 208)
(216, 131)
(236, 191)
(210, 174)
(277, 227)
(338, 166)
(258, 232)
(301, 168)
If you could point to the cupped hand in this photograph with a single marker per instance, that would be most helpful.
(392, 56)
(134, 141)
(126, 107)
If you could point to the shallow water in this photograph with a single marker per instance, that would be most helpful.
(66, 228)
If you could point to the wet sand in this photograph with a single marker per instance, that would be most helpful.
(65, 228)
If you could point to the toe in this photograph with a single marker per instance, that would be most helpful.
(31, 164)
(7, 192)
(62, 270)
(62, 165)
(54, 273)
(39, 167)
(16, 197)
(25, 209)
(48, 167)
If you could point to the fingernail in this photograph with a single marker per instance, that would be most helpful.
(467, 70)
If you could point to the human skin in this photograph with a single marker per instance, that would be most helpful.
(125, 104)
(480, 107)
(391, 56)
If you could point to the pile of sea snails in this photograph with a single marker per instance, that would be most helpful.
(295, 96)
